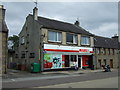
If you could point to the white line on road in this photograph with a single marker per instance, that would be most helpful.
(40, 78)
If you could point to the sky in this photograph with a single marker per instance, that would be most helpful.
(99, 18)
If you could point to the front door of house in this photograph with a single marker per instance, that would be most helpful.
(111, 63)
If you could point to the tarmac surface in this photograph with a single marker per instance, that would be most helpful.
(16, 74)
(23, 79)
(28, 80)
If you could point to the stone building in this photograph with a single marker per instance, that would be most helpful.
(3, 41)
(106, 51)
(54, 44)
(57, 45)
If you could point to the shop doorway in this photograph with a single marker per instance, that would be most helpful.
(90, 61)
(79, 61)
(66, 60)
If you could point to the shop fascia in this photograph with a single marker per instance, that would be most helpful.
(67, 50)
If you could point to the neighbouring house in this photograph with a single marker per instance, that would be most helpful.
(106, 51)
(3, 41)
(54, 44)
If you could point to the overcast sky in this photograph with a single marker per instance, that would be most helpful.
(100, 18)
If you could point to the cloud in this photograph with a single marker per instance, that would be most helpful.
(106, 29)
(93, 16)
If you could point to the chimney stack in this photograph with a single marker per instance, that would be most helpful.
(2, 13)
(35, 13)
(77, 23)
(115, 37)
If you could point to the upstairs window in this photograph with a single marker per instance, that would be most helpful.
(22, 40)
(104, 51)
(23, 55)
(54, 36)
(71, 38)
(85, 40)
(108, 51)
(98, 51)
(113, 51)
(32, 55)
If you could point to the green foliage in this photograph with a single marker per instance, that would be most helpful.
(15, 40)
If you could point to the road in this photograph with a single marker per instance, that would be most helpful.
(99, 83)
(109, 79)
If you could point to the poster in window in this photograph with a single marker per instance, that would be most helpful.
(52, 61)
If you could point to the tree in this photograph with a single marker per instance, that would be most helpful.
(15, 40)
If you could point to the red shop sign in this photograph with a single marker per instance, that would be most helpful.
(83, 50)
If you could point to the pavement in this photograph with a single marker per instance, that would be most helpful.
(17, 74)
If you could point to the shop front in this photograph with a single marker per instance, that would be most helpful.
(57, 56)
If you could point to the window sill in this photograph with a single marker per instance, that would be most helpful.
(72, 43)
(22, 43)
(55, 41)
(85, 44)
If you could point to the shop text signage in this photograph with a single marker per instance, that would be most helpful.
(60, 48)
(83, 50)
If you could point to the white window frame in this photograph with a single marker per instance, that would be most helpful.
(85, 43)
(57, 40)
(22, 40)
(98, 51)
(75, 40)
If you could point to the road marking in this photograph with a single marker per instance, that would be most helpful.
(13, 79)
(42, 78)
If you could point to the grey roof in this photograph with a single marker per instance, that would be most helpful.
(62, 26)
(104, 42)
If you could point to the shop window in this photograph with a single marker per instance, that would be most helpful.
(73, 58)
(32, 55)
(54, 36)
(71, 38)
(85, 40)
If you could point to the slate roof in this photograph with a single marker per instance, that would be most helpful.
(61, 26)
(103, 42)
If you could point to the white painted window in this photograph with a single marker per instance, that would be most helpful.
(98, 51)
(54, 36)
(22, 40)
(71, 38)
(85, 40)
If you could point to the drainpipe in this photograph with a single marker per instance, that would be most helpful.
(41, 50)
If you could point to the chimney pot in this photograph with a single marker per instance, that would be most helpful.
(77, 23)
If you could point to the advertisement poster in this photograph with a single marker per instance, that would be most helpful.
(52, 61)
